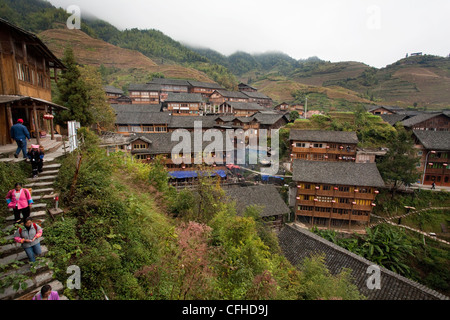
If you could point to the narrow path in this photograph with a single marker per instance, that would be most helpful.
(13, 260)
(388, 220)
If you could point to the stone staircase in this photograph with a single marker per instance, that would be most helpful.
(13, 258)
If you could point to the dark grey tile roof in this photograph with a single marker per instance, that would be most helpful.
(323, 136)
(420, 118)
(268, 118)
(136, 108)
(434, 140)
(161, 143)
(337, 173)
(144, 87)
(206, 85)
(184, 97)
(297, 244)
(172, 82)
(244, 85)
(111, 89)
(245, 105)
(394, 109)
(17, 98)
(138, 118)
(266, 196)
(188, 122)
(232, 94)
(392, 119)
(255, 95)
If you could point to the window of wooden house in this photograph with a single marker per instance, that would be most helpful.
(344, 189)
(123, 129)
(324, 199)
(365, 190)
(300, 145)
(326, 188)
(160, 129)
(148, 128)
(307, 186)
(136, 129)
(318, 145)
(344, 200)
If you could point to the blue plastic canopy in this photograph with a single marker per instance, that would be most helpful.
(193, 174)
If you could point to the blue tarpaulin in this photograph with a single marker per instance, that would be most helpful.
(266, 178)
(193, 174)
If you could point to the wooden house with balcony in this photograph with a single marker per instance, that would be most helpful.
(240, 109)
(203, 88)
(140, 118)
(259, 98)
(330, 146)
(243, 87)
(145, 93)
(282, 107)
(379, 110)
(434, 121)
(170, 86)
(433, 148)
(183, 168)
(218, 97)
(116, 96)
(27, 67)
(184, 104)
(335, 194)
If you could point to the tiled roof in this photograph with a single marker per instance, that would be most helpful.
(184, 97)
(297, 244)
(420, 118)
(138, 118)
(323, 136)
(207, 85)
(255, 95)
(188, 122)
(392, 119)
(172, 82)
(111, 89)
(434, 140)
(136, 108)
(232, 94)
(268, 118)
(266, 196)
(144, 87)
(337, 173)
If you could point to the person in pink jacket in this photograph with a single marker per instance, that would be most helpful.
(46, 294)
(19, 199)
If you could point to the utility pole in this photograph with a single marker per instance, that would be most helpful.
(306, 106)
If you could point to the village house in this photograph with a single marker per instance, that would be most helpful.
(246, 88)
(170, 86)
(335, 194)
(141, 118)
(113, 93)
(27, 67)
(218, 97)
(283, 107)
(436, 121)
(379, 110)
(259, 98)
(144, 93)
(323, 145)
(184, 104)
(433, 148)
(265, 198)
(240, 109)
(203, 88)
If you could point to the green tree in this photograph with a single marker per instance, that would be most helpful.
(398, 167)
(293, 115)
(102, 112)
(73, 93)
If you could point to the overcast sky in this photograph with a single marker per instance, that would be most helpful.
(376, 32)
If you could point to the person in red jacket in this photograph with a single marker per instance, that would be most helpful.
(19, 199)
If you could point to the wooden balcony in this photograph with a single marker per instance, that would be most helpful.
(302, 191)
(333, 216)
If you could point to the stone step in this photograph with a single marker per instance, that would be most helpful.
(25, 270)
(19, 256)
(42, 191)
(48, 172)
(51, 166)
(11, 248)
(39, 184)
(34, 283)
(41, 178)
(33, 214)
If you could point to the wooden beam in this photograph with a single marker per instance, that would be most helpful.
(52, 128)
(9, 118)
(36, 124)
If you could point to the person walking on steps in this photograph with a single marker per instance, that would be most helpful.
(19, 199)
(36, 157)
(20, 133)
(46, 294)
(29, 236)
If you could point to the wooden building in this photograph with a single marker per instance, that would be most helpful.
(433, 148)
(240, 109)
(218, 97)
(246, 88)
(283, 107)
(265, 198)
(323, 145)
(203, 88)
(436, 121)
(259, 98)
(184, 104)
(145, 93)
(335, 194)
(141, 119)
(379, 110)
(26, 69)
